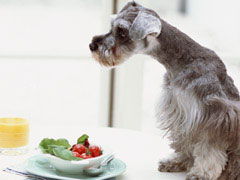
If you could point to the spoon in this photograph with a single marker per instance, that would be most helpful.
(95, 171)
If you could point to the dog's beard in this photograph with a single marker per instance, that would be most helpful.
(110, 57)
(105, 61)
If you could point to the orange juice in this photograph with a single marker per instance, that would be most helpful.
(14, 132)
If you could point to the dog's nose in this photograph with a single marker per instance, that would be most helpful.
(93, 46)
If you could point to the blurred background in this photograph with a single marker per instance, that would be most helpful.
(48, 76)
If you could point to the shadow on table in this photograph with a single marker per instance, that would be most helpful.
(114, 178)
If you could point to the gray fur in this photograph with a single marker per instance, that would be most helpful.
(143, 25)
(200, 106)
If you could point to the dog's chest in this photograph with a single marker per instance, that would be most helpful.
(180, 111)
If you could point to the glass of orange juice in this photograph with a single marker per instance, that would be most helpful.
(14, 135)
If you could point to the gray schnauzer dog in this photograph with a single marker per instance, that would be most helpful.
(200, 106)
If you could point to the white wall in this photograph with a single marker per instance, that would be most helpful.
(50, 91)
(59, 28)
(221, 17)
(46, 71)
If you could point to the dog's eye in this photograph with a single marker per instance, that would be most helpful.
(121, 32)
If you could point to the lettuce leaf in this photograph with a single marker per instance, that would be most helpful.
(60, 147)
(51, 147)
(45, 143)
(63, 142)
(65, 154)
(82, 139)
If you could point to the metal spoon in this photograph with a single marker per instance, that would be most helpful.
(95, 171)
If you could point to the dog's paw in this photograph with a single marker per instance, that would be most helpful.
(171, 166)
(195, 177)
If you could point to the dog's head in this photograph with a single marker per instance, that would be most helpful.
(131, 31)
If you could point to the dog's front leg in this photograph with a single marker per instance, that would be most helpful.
(209, 161)
(178, 162)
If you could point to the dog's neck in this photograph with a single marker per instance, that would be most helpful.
(175, 48)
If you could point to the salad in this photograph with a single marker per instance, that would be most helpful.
(62, 149)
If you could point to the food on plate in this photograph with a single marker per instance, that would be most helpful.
(95, 151)
(62, 149)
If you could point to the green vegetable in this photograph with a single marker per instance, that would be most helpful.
(63, 142)
(51, 147)
(82, 139)
(65, 154)
(44, 144)
(88, 152)
(60, 147)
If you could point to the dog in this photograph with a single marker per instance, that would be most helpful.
(200, 105)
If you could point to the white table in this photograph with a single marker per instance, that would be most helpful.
(140, 151)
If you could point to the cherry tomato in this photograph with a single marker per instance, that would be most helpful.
(76, 154)
(85, 156)
(79, 148)
(95, 151)
(71, 149)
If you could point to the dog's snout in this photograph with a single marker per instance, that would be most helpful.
(93, 46)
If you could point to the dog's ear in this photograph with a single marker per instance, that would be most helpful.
(144, 24)
(130, 4)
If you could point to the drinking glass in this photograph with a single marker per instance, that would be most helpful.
(14, 136)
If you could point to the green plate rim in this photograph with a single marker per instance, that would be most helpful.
(32, 159)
